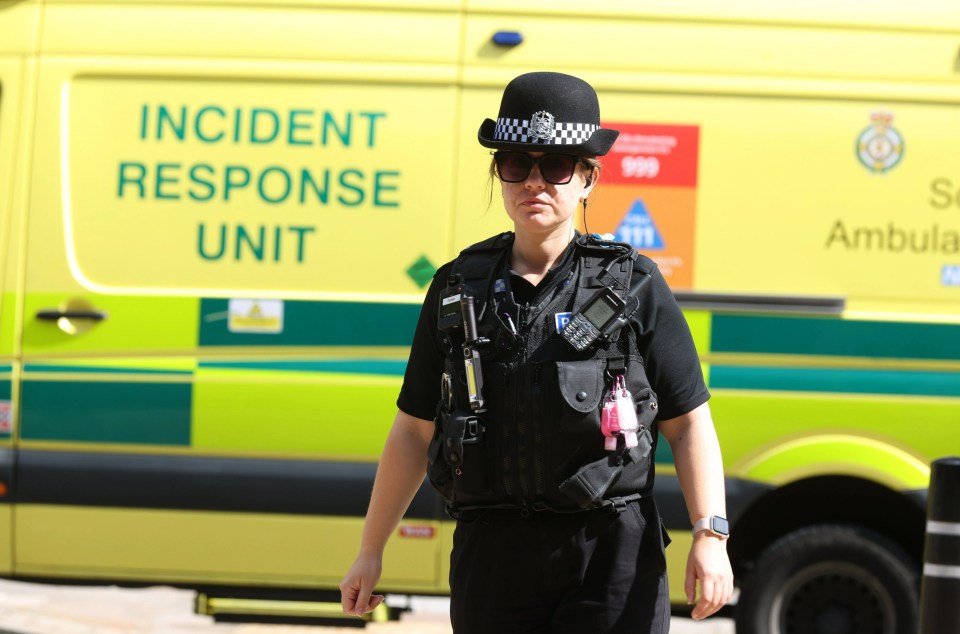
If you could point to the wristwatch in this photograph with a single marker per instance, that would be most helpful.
(715, 525)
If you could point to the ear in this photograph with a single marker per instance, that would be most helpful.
(590, 182)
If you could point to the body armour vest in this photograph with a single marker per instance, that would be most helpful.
(537, 442)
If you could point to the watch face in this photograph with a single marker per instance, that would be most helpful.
(720, 525)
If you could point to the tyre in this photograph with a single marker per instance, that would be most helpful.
(830, 579)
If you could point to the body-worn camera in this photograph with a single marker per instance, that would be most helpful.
(457, 311)
(450, 314)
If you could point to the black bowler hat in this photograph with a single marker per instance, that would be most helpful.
(548, 109)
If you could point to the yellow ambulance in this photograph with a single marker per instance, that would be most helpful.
(217, 221)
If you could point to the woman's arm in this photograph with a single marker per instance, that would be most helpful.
(399, 476)
(696, 454)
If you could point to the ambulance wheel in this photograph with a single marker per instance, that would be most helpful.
(830, 579)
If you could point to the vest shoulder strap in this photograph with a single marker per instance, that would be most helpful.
(475, 263)
(606, 263)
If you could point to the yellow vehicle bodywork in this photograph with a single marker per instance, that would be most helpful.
(218, 221)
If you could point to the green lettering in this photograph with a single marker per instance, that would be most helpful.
(285, 184)
(372, 117)
(379, 187)
(307, 178)
(301, 239)
(236, 125)
(197, 179)
(294, 126)
(137, 180)
(144, 110)
(273, 119)
(344, 134)
(358, 189)
(200, 242)
(163, 180)
(228, 181)
(179, 128)
(255, 247)
(198, 129)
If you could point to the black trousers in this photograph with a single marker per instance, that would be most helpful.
(551, 573)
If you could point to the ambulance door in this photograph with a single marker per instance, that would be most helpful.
(234, 214)
(18, 25)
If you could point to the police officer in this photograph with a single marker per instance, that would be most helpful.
(544, 368)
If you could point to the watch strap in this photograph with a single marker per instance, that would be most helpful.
(710, 525)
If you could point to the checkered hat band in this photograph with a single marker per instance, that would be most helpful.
(518, 131)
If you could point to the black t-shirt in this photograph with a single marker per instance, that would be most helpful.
(664, 344)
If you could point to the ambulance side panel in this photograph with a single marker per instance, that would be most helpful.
(221, 285)
(214, 248)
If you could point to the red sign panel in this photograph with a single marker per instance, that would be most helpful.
(653, 155)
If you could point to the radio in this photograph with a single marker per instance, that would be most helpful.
(602, 315)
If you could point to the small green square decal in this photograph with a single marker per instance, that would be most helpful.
(421, 271)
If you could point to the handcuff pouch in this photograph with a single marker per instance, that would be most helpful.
(456, 460)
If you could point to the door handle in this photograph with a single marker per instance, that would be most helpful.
(74, 316)
(54, 314)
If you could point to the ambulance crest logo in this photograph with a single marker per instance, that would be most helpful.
(880, 146)
(541, 125)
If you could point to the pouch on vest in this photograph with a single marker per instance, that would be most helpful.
(625, 469)
(456, 459)
(590, 484)
(581, 385)
(438, 471)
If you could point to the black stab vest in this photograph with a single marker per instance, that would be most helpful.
(538, 444)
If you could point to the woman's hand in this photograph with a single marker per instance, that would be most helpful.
(402, 467)
(356, 589)
(709, 564)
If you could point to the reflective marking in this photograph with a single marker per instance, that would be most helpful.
(418, 532)
(944, 528)
(938, 570)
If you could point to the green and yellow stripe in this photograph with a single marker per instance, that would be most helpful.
(832, 355)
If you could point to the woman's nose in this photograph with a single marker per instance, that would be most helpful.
(534, 178)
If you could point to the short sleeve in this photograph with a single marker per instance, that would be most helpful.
(666, 348)
(421, 381)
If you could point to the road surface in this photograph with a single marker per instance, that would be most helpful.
(27, 608)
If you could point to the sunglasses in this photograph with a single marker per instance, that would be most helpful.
(515, 167)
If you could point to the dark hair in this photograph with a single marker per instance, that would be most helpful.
(592, 163)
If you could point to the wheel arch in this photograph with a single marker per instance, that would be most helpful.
(827, 499)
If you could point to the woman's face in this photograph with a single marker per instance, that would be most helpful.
(536, 206)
